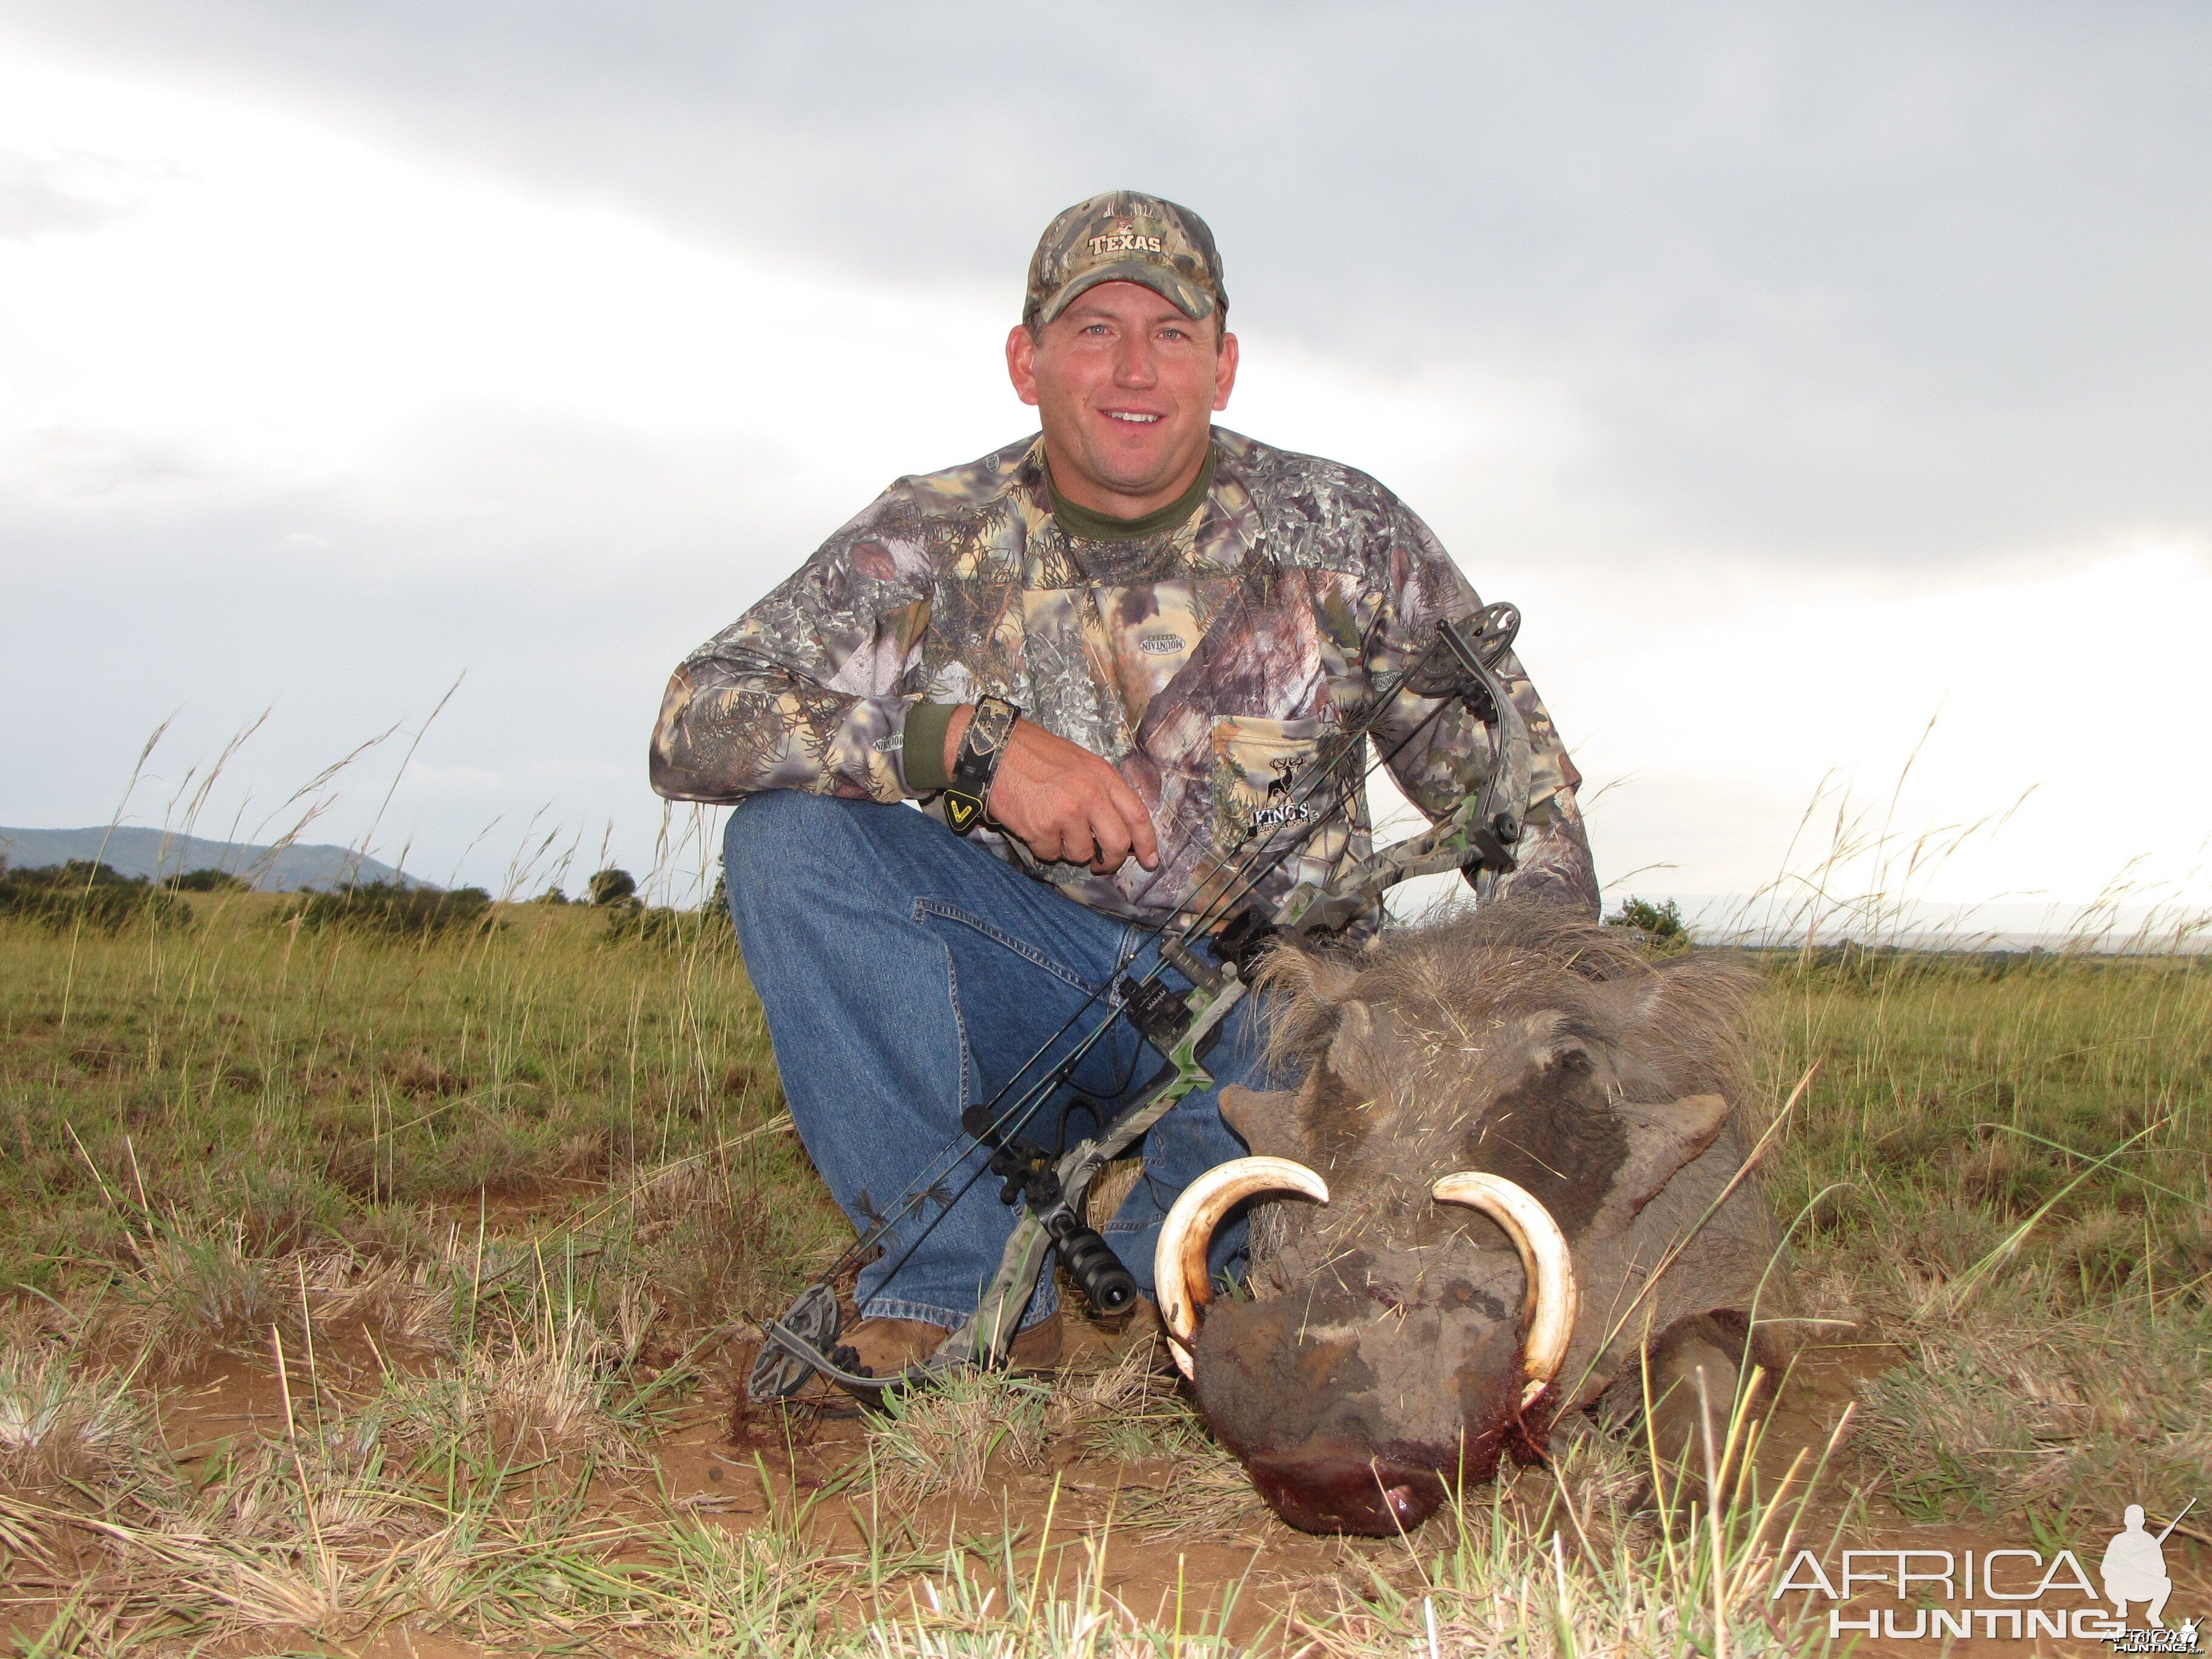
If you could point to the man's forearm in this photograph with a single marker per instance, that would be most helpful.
(810, 688)
(726, 732)
(1552, 861)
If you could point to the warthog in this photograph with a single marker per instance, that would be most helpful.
(1522, 1133)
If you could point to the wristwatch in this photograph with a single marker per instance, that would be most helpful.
(982, 747)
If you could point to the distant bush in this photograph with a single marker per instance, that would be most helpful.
(613, 886)
(207, 881)
(395, 911)
(83, 894)
(552, 895)
(1662, 924)
(681, 929)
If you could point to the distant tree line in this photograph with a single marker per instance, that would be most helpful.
(393, 910)
(81, 894)
(208, 881)
(631, 920)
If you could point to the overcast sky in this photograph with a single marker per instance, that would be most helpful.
(1805, 376)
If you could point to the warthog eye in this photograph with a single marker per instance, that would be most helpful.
(1573, 1062)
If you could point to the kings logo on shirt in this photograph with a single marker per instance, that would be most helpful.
(1257, 763)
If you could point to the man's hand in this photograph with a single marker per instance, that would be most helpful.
(1064, 801)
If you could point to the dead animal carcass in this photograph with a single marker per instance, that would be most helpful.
(1517, 1119)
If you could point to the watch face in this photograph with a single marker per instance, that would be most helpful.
(995, 718)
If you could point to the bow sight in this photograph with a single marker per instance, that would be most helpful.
(1477, 836)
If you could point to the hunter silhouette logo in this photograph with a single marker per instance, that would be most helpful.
(2022, 1597)
(2134, 1570)
(2134, 1567)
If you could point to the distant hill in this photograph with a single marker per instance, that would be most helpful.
(152, 852)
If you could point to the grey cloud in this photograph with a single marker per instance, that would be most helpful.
(1876, 284)
(564, 569)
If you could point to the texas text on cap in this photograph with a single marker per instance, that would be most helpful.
(1125, 236)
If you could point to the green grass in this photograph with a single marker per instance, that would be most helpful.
(1956, 1099)
(2004, 1167)
(501, 1196)
(289, 1089)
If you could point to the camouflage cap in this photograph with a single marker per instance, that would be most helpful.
(1125, 236)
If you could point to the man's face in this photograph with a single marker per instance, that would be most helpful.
(1126, 386)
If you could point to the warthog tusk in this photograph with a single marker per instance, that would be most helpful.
(1179, 1274)
(1550, 1308)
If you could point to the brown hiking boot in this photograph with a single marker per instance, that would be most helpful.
(1036, 1350)
(887, 1347)
(1142, 1327)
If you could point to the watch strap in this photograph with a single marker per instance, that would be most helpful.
(982, 747)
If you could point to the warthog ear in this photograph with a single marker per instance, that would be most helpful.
(1362, 1052)
(1266, 1120)
(1324, 979)
(1662, 1139)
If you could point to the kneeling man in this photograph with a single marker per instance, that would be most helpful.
(1120, 634)
(2134, 1568)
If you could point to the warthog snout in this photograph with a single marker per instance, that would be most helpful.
(1355, 1415)
(1313, 1390)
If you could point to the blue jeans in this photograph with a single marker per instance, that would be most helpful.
(907, 974)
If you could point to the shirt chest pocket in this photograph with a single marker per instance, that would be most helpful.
(1257, 764)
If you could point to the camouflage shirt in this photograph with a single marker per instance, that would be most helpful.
(1206, 662)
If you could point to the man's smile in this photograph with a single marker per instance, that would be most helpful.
(1132, 415)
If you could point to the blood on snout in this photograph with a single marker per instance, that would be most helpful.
(1340, 1491)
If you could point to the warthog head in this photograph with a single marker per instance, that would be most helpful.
(1515, 1147)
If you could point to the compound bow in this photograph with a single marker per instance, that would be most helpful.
(1477, 836)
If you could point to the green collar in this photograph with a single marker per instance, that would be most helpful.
(1082, 522)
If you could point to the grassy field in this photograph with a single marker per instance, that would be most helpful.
(370, 1294)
